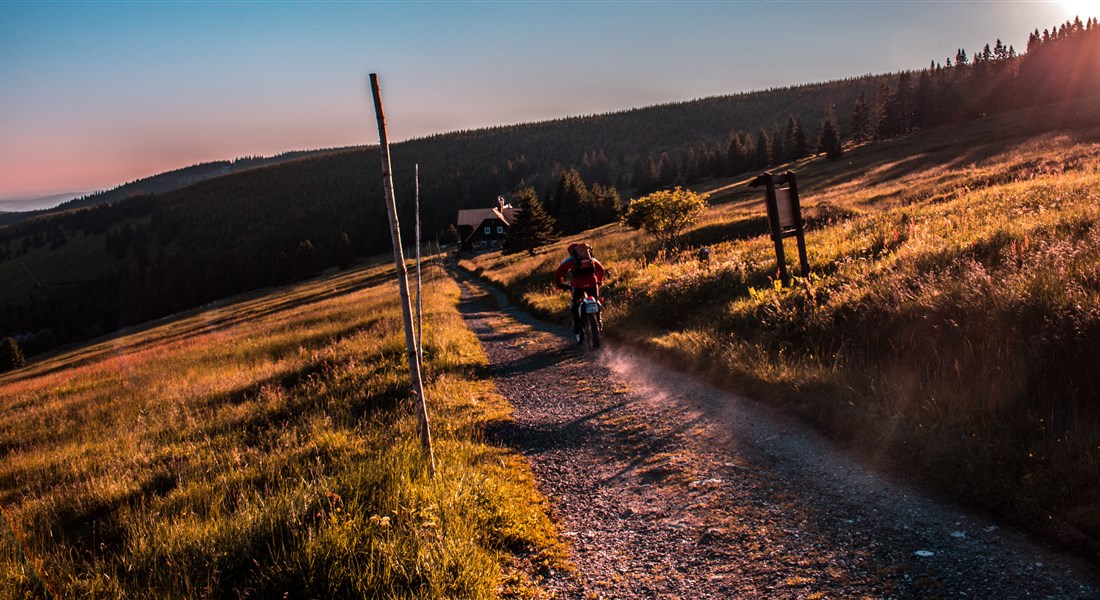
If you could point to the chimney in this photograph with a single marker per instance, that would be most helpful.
(500, 203)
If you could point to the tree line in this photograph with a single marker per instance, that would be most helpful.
(268, 225)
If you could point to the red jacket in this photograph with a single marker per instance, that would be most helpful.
(581, 277)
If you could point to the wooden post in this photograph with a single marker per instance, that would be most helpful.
(773, 222)
(419, 286)
(800, 225)
(784, 221)
(402, 278)
(437, 275)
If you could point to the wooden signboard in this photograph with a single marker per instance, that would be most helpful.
(784, 217)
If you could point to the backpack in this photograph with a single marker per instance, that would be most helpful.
(582, 260)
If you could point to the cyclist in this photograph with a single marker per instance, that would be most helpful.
(586, 273)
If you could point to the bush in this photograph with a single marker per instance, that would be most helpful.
(665, 214)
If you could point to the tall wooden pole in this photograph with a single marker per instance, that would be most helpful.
(402, 277)
(419, 285)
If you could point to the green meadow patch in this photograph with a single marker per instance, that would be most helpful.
(265, 448)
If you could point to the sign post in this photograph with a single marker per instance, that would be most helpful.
(784, 217)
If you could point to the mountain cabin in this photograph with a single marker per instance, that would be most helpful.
(481, 229)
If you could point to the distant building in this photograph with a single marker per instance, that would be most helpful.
(481, 229)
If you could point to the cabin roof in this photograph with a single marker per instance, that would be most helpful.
(476, 216)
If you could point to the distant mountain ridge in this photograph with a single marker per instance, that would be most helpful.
(157, 184)
(28, 203)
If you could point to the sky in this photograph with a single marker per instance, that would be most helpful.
(95, 94)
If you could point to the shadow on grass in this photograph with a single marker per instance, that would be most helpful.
(742, 229)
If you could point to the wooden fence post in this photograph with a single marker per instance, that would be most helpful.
(402, 278)
(419, 284)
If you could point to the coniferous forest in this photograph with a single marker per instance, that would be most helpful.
(105, 262)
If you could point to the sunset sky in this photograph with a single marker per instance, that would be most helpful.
(95, 94)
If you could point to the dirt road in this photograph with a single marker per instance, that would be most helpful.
(669, 488)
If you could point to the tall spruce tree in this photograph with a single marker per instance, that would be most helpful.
(801, 142)
(573, 202)
(605, 204)
(897, 112)
(532, 226)
(11, 356)
(829, 142)
(924, 101)
(861, 119)
(666, 171)
(763, 150)
(790, 138)
(343, 253)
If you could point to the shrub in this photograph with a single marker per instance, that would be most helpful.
(665, 214)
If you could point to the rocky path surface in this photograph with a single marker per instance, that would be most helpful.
(669, 488)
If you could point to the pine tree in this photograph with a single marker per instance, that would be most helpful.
(763, 150)
(923, 101)
(666, 171)
(861, 119)
(737, 154)
(645, 175)
(305, 260)
(11, 356)
(1033, 40)
(895, 117)
(801, 144)
(532, 226)
(574, 204)
(343, 254)
(790, 139)
(596, 168)
(705, 161)
(689, 167)
(878, 109)
(829, 142)
(605, 203)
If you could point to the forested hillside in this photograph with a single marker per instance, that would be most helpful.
(83, 271)
(163, 182)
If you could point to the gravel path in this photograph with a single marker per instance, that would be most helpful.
(669, 488)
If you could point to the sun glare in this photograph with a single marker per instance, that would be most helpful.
(1080, 8)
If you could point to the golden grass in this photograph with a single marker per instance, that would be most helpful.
(951, 324)
(262, 447)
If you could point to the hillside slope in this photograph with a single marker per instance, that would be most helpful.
(265, 448)
(271, 225)
(950, 327)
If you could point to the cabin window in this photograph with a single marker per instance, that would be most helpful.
(496, 243)
(500, 229)
(488, 230)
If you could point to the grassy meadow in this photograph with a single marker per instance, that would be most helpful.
(265, 447)
(951, 324)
